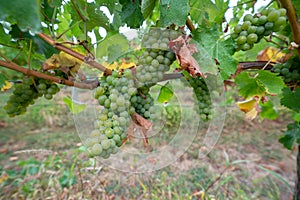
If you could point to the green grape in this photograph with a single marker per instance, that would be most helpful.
(260, 30)
(246, 47)
(252, 38)
(243, 33)
(203, 104)
(246, 25)
(262, 20)
(242, 40)
(273, 15)
(25, 93)
(248, 17)
(270, 20)
(282, 11)
(251, 29)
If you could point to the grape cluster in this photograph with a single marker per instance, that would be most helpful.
(114, 95)
(203, 105)
(254, 28)
(144, 105)
(289, 70)
(156, 58)
(25, 93)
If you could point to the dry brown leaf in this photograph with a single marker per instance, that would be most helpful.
(184, 52)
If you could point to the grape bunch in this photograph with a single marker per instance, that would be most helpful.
(156, 58)
(254, 28)
(114, 94)
(289, 70)
(203, 105)
(24, 94)
(144, 105)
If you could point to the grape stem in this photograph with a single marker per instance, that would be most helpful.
(190, 24)
(295, 25)
(27, 71)
(86, 59)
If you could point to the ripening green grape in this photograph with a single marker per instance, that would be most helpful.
(260, 30)
(273, 16)
(262, 20)
(254, 27)
(248, 17)
(269, 26)
(252, 38)
(246, 25)
(156, 58)
(242, 40)
(251, 29)
(25, 93)
(238, 29)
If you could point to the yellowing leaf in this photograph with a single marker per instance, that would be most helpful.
(7, 86)
(249, 107)
(62, 60)
(270, 53)
(112, 66)
(125, 65)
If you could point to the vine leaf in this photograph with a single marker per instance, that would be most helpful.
(114, 52)
(116, 39)
(131, 13)
(165, 93)
(271, 82)
(291, 99)
(268, 111)
(174, 12)
(147, 7)
(248, 86)
(4, 38)
(292, 134)
(25, 13)
(184, 53)
(221, 51)
(205, 11)
(75, 108)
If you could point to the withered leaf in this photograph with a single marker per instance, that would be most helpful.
(184, 51)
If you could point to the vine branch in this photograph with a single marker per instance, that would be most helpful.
(295, 25)
(15, 67)
(86, 59)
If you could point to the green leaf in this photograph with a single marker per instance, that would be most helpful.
(147, 7)
(75, 108)
(55, 2)
(221, 50)
(114, 52)
(205, 61)
(5, 38)
(223, 53)
(291, 99)
(291, 135)
(2, 80)
(248, 86)
(268, 111)
(25, 13)
(96, 17)
(116, 39)
(206, 11)
(131, 13)
(272, 83)
(174, 12)
(165, 93)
